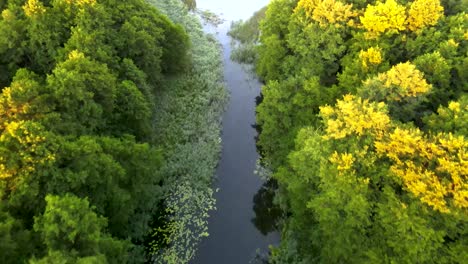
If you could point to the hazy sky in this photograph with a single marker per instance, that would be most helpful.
(233, 9)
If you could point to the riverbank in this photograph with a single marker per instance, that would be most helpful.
(188, 124)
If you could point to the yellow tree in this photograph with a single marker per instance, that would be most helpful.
(401, 81)
(384, 17)
(353, 115)
(327, 11)
(423, 13)
(32, 150)
(33, 7)
(371, 57)
(433, 168)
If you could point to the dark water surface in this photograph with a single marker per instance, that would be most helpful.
(241, 226)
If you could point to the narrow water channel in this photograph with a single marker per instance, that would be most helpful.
(237, 232)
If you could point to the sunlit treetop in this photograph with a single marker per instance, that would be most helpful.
(327, 11)
(342, 161)
(29, 140)
(423, 13)
(75, 54)
(354, 116)
(8, 15)
(370, 57)
(401, 81)
(33, 7)
(384, 17)
(16, 101)
(81, 2)
(433, 168)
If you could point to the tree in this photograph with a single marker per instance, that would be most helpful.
(403, 88)
(436, 71)
(381, 179)
(450, 119)
(300, 101)
(78, 82)
(71, 231)
(15, 241)
(25, 99)
(388, 17)
(430, 161)
(424, 13)
(12, 51)
(327, 11)
(273, 48)
(84, 94)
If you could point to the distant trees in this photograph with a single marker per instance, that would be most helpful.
(362, 121)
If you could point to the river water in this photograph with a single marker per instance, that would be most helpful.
(237, 231)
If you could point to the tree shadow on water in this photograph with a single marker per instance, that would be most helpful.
(267, 214)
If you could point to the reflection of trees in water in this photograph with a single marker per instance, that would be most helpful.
(267, 213)
(257, 127)
(191, 4)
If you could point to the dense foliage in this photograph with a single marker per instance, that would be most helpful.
(89, 129)
(363, 122)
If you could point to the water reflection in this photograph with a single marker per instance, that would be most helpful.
(267, 213)
(238, 227)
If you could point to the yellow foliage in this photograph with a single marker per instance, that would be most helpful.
(434, 169)
(372, 56)
(352, 115)
(452, 43)
(29, 148)
(454, 106)
(8, 15)
(384, 17)
(343, 161)
(75, 55)
(10, 109)
(33, 7)
(402, 80)
(424, 13)
(81, 2)
(327, 11)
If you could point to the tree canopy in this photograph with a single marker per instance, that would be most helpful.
(80, 165)
(363, 125)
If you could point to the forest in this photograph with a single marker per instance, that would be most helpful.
(363, 121)
(111, 118)
(105, 107)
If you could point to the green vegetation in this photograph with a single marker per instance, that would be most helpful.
(246, 35)
(109, 119)
(189, 125)
(363, 122)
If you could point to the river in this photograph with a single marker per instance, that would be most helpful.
(237, 231)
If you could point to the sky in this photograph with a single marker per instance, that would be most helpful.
(233, 9)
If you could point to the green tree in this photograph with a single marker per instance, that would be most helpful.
(381, 179)
(84, 94)
(78, 86)
(12, 51)
(273, 48)
(25, 99)
(74, 233)
(15, 241)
